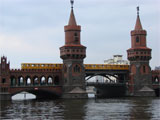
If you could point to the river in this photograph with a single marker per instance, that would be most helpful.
(82, 109)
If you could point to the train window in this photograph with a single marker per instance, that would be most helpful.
(42, 65)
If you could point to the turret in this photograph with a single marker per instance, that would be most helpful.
(73, 54)
(139, 55)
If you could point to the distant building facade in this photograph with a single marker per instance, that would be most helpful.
(117, 59)
(157, 68)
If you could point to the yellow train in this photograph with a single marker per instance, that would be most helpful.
(106, 67)
(87, 66)
(41, 66)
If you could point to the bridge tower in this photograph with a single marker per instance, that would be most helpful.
(139, 55)
(4, 79)
(73, 54)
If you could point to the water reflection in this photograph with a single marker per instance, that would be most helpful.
(140, 109)
(100, 109)
(74, 109)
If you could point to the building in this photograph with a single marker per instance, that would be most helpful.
(117, 59)
(139, 55)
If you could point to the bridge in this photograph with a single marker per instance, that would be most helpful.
(69, 79)
(45, 80)
(120, 72)
(91, 70)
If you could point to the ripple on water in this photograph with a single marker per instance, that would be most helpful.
(100, 109)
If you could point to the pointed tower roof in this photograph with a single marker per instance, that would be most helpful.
(72, 20)
(138, 25)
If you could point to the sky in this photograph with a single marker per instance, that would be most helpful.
(31, 31)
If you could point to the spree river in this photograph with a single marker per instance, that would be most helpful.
(82, 109)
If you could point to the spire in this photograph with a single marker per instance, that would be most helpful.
(72, 20)
(138, 25)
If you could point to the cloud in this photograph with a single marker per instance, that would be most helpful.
(32, 30)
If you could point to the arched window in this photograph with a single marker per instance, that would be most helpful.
(28, 81)
(76, 69)
(50, 80)
(137, 39)
(35, 80)
(43, 80)
(13, 81)
(76, 38)
(65, 68)
(144, 69)
(20, 81)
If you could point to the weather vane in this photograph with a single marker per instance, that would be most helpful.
(137, 10)
(72, 2)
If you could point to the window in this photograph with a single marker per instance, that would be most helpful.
(137, 39)
(144, 69)
(76, 69)
(65, 69)
(3, 80)
(76, 37)
(3, 60)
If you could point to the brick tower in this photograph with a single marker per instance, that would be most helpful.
(73, 54)
(139, 55)
(4, 79)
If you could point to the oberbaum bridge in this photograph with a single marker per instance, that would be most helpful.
(69, 80)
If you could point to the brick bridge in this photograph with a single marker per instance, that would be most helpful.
(69, 79)
(45, 80)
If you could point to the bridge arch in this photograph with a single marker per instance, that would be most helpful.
(28, 81)
(50, 80)
(156, 80)
(13, 80)
(109, 77)
(35, 80)
(40, 94)
(43, 80)
(21, 81)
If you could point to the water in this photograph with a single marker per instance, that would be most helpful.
(83, 109)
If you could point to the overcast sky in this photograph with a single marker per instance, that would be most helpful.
(31, 31)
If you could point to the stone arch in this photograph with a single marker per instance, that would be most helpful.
(144, 69)
(39, 93)
(76, 68)
(107, 76)
(50, 80)
(43, 80)
(13, 80)
(156, 80)
(35, 80)
(56, 80)
(20, 81)
(28, 80)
